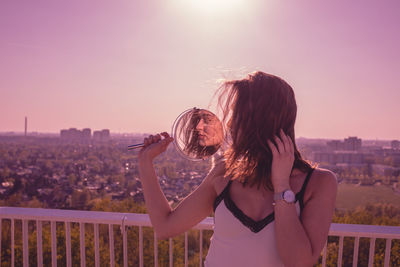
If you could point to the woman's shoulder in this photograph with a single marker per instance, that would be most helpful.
(216, 173)
(323, 180)
(218, 167)
(324, 175)
(322, 185)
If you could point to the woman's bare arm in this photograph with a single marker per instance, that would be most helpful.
(300, 241)
(168, 222)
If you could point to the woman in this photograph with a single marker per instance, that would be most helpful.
(271, 207)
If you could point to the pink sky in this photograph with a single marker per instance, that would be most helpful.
(133, 66)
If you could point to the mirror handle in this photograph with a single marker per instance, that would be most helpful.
(130, 147)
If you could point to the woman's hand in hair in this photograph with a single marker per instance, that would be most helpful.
(154, 145)
(282, 161)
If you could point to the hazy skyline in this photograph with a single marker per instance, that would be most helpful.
(133, 66)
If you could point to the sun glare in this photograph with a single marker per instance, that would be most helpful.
(211, 7)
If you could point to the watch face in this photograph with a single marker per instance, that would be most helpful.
(289, 196)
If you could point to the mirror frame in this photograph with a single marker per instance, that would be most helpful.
(174, 135)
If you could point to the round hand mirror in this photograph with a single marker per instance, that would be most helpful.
(197, 133)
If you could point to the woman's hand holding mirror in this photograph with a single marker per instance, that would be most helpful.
(154, 145)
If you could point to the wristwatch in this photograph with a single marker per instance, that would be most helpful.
(288, 196)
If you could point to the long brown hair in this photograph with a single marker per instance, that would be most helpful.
(254, 110)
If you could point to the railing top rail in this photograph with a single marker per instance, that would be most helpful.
(100, 217)
(137, 219)
(361, 230)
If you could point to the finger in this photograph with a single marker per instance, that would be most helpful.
(279, 144)
(146, 141)
(167, 137)
(157, 138)
(165, 134)
(285, 140)
(273, 148)
(291, 144)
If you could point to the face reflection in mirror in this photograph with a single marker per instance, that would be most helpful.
(208, 129)
(199, 133)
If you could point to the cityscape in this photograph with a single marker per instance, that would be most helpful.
(100, 164)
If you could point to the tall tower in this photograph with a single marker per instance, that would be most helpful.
(26, 125)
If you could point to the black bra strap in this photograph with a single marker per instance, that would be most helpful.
(221, 196)
(300, 195)
(303, 188)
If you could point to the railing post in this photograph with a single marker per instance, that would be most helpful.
(171, 259)
(124, 245)
(340, 256)
(140, 246)
(12, 243)
(53, 244)
(25, 250)
(355, 252)
(68, 243)
(201, 248)
(186, 249)
(1, 230)
(39, 243)
(371, 252)
(387, 252)
(155, 249)
(82, 243)
(96, 245)
(111, 238)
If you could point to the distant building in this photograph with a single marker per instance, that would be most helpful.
(86, 133)
(349, 144)
(96, 135)
(349, 157)
(340, 157)
(335, 145)
(395, 144)
(73, 134)
(103, 135)
(352, 143)
(106, 133)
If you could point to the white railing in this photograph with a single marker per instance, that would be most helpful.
(39, 216)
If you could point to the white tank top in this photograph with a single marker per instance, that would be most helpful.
(240, 241)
